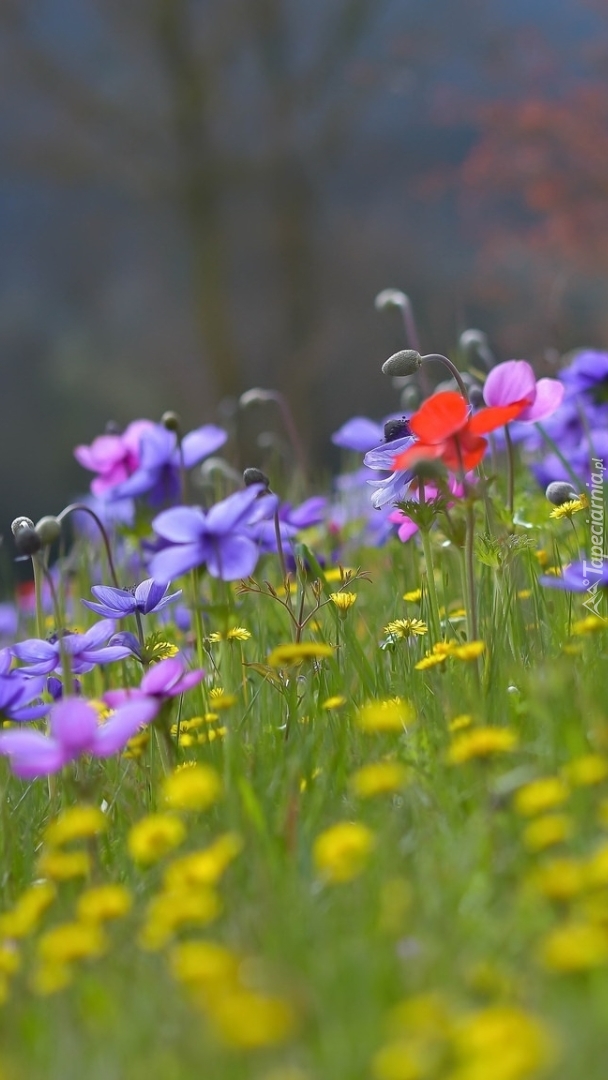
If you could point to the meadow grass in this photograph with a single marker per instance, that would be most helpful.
(397, 871)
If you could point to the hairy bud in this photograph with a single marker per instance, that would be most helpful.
(171, 421)
(27, 540)
(255, 476)
(390, 298)
(405, 362)
(560, 492)
(476, 348)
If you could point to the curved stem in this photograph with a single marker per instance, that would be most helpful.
(87, 510)
(454, 372)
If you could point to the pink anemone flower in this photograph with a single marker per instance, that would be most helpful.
(515, 381)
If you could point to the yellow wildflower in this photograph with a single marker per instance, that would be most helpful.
(338, 573)
(343, 601)
(542, 558)
(203, 963)
(587, 770)
(76, 823)
(481, 742)
(589, 625)
(464, 720)
(136, 746)
(469, 651)
(596, 868)
(389, 714)
(50, 978)
(341, 852)
(413, 597)
(220, 699)
(574, 946)
(196, 788)
(70, 941)
(203, 867)
(10, 961)
(295, 653)
(334, 702)
(524, 594)
(378, 778)
(103, 902)
(64, 865)
(236, 633)
(502, 1042)
(24, 917)
(546, 831)
(402, 1059)
(405, 628)
(540, 795)
(162, 650)
(169, 911)
(438, 655)
(155, 835)
(248, 1020)
(573, 506)
(558, 879)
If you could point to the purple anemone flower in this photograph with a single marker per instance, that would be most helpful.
(392, 487)
(164, 680)
(145, 598)
(217, 538)
(84, 651)
(113, 457)
(580, 577)
(17, 691)
(74, 730)
(587, 372)
(157, 473)
(515, 381)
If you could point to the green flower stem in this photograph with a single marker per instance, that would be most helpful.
(432, 591)
(510, 470)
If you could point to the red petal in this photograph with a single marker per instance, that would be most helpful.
(495, 417)
(417, 453)
(441, 416)
(464, 452)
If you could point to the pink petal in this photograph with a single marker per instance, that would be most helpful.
(509, 382)
(549, 396)
(74, 724)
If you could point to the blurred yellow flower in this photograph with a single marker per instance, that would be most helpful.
(27, 912)
(249, 1020)
(70, 941)
(546, 831)
(203, 963)
(587, 770)
(103, 902)
(540, 795)
(378, 778)
(63, 865)
(481, 742)
(385, 715)
(334, 702)
(558, 879)
(501, 1042)
(574, 946)
(295, 653)
(196, 788)
(154, 836)
(203, 867)
(75, 823)
(341, 852)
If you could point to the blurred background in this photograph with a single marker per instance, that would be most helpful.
(200, 196)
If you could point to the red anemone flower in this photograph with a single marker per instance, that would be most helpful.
(446, 431)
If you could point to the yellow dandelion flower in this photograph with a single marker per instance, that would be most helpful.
(196, 788)
(248, 1020)
(26, 914)
(469, 651)
(10, 961)
(385, 715)
(554, 571)
(586, 771)
(464, 720)
(589, 625)
(406, 628)
(162, 650)
(168, 912)
(238, 633)
(70, 941)
(573, 506)
(540, 795)
(546, 831)
(379, 778)
(51, 978)
(559, 879)
(338, 573)
(438, 655)
(154, 836)
(401, 1059)
(502, 1042)
(542, 557)
(524, 594)
(76, 823)
(136, 746)
(103, 902)
(64, 865)
(413, 597)
(335, 702)
(596, 868)
(220, 699)
(204, 867)
(203, 964)
(341, 852)
(295, 653)
(481, 742)
(343, 601)
(574, 946)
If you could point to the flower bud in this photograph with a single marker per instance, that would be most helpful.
(475, 346)
(27, 540)
(171, 421)
(389, 298)
(560, 492)
(405, 362)
(48, 529)
(255, 476)
(256, 396)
